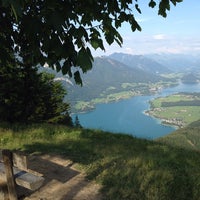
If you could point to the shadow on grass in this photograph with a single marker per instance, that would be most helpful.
(131, 168)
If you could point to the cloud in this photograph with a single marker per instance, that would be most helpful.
(159, 37)
(140, 43)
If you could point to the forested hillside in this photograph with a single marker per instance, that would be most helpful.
(107, 73)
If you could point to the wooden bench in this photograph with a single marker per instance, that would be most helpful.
(14, 170)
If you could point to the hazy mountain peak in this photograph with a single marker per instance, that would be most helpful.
(141, 62)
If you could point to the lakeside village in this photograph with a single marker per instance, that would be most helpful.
(177, 122)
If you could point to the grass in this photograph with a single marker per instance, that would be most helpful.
(188, 137)
(187, 114)
(128, 168)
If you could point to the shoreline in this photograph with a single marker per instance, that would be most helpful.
(166, 122)
(88, 106)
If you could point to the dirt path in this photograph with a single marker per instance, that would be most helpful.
(62, 181)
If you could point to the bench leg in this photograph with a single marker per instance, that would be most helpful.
(7, 159)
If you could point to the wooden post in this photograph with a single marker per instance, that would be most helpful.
(8, 163)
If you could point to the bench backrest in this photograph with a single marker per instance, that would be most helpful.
(19, 160)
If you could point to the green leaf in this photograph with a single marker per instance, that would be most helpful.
(58, 66)
(89, 54)
(176, 1)
(163, 6)
(66, 68)
(135, 25)
(84, 59)
(119, 39)
(95, 39)
(77, 78)
(94, 42)
(97, 43)
(152, 4)
(137, 8)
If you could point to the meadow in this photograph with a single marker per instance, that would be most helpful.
(128, 168)
(180, 107)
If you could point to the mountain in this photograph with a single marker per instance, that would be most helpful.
(105, 75)
(177, 62)
(190, 78)
(141, 62)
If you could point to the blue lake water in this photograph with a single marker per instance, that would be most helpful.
(127, 116)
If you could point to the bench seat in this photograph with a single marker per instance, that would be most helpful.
(23, 178)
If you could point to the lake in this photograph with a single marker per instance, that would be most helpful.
(127, 116)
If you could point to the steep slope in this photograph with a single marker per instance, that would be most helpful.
(141, 62)
(187, 138)
(107, 73)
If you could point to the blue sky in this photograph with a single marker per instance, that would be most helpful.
(178, 33)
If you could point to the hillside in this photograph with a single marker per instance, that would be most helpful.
(108, 77)
(124, 166)
(190, 78)
(121, 76)
(187, 138)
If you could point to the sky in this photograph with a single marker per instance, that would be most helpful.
(178, 33)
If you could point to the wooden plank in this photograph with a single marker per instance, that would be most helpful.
(7, 159)
(2, 172)
(20, 160)
(1, 159)
(23, 178)
(28, 180)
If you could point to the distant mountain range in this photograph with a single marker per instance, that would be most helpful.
(141, 62)
(178, 62)
(161, 63)
(110, 72)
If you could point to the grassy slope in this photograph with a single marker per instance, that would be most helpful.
(128, 168)
(188, 137)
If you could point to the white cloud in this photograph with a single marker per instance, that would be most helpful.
(139, 43)
(159, 37)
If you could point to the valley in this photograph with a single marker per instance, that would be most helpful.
(122, 76)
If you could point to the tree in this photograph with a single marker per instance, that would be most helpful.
(29, 96)
(41, 31)
(77, 122)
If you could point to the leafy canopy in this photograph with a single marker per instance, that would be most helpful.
(41, 31)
